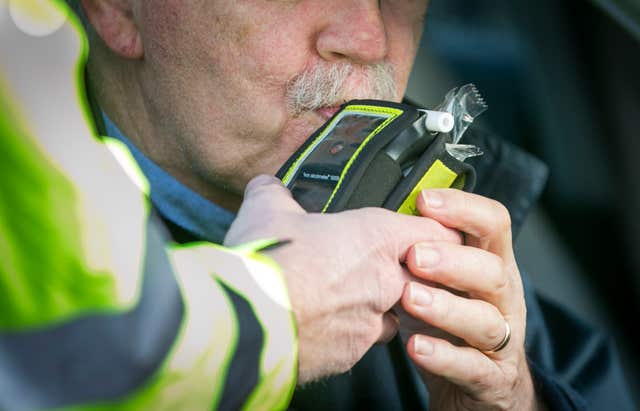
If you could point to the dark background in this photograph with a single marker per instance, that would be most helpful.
(562, 80)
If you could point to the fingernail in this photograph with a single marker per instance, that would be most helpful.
(432, 199)
(419, 296)
(422, 346)
(426, 256)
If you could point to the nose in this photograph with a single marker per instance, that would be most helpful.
(355, 31)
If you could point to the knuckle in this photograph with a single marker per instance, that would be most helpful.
(503, 218)
(480, 378)
(377, 228)
(380, 303)
(496, 274)
(347, 363)
(512, 376)
(260, 186)
(386, 291)
(373, 329)
(430, 226)
(495, 332)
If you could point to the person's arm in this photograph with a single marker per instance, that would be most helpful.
(99, 310)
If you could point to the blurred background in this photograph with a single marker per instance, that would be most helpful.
(562, 81)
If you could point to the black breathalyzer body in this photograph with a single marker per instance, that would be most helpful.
(372, 154)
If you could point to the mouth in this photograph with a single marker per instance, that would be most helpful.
(327, 112)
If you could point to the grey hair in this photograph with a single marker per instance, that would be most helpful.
(327, 85)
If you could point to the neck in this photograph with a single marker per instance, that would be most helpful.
(120, 96)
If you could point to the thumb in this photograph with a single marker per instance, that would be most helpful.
(267, 193)
(265, 201)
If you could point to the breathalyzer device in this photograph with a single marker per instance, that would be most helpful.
(375, 154)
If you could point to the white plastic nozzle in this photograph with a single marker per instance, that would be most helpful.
(438, 121)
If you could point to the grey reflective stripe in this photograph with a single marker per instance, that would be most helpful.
(99, 357)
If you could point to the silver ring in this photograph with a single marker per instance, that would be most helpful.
(504, 342)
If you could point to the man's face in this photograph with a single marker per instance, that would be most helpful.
(218, 75)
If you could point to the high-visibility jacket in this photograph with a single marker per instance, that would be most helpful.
(98, 308)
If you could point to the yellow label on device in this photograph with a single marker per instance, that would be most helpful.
(438, 176)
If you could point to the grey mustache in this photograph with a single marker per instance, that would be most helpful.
(327, 85)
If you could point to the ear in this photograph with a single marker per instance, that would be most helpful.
(114, 23)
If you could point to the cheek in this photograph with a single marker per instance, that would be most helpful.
(404, 25)
(274, 53)
(401, 57)
(269, 60)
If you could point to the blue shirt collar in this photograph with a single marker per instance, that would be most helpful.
(179, 204)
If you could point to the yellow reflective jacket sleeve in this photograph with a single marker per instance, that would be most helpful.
(99, 309)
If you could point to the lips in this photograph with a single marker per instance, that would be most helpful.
(327, 112)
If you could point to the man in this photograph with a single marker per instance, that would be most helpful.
(208, 95)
